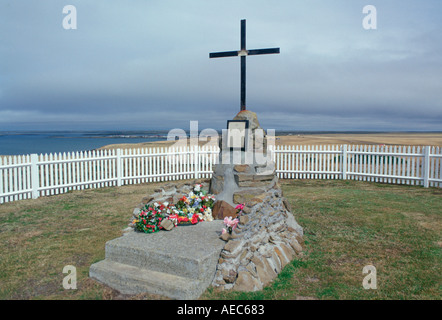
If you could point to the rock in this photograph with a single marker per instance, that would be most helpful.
(222, 209)
(147, 199)
(287, 205)
(225, 236)
(252, 269)
(229, 276)
(246, 282)
(264, 276)
(288, 251)
(295, 245)
(269, 271)
(249, 197)
(216, 184)
(263, 177)
(284, 260)
(167, 224)
(241, 168)
(251, 116)
(253, 184)
(244, 177)
(136, 212)
(300, 240)
(232, 245)
(274, 260)
(243, 219)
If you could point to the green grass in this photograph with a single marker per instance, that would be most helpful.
(347, 225)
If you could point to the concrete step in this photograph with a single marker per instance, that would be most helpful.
(133, 280)
(179, 264)
(185, 251)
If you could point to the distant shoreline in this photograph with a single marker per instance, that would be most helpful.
(378, 138)
(28, 143)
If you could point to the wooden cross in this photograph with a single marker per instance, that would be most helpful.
(243, 53)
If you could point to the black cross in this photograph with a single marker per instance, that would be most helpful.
(243, 53)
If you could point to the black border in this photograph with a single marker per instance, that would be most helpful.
(245, 134)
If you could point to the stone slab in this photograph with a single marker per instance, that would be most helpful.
(186, 251)
(133, 280)
(186, 256)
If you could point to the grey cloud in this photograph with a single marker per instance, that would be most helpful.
(129, 62)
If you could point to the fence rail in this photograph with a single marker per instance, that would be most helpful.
(33, 176)
(413, 165)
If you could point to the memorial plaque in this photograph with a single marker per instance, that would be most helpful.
(237, 134)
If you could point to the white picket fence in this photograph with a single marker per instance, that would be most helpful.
(33, 176)
(412, 165)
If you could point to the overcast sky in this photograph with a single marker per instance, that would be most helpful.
(144, 64)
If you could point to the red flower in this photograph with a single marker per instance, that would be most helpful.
(173, 216)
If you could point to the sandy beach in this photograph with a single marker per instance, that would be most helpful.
(408, 139)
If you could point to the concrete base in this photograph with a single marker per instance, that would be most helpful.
(179, 264)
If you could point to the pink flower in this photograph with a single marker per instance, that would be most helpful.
(231, 223)
(227, 220)
(224, 231)
(234, 223)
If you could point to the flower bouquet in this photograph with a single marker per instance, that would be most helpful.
(150, 217)
(230, 224)
(193, 208)
(189, 210)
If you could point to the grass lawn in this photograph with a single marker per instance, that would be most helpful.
(347, 225)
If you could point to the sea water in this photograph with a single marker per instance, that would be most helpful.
(20, 143)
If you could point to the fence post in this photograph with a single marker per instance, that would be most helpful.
(119, 171)
(35, 181)
(1, 181)
(426, 166)
(197, 162)
(344, 162)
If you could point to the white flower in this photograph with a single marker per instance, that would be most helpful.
(156, 204)
(166, 204)
(197, 188)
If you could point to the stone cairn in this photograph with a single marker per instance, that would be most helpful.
(267, 236)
